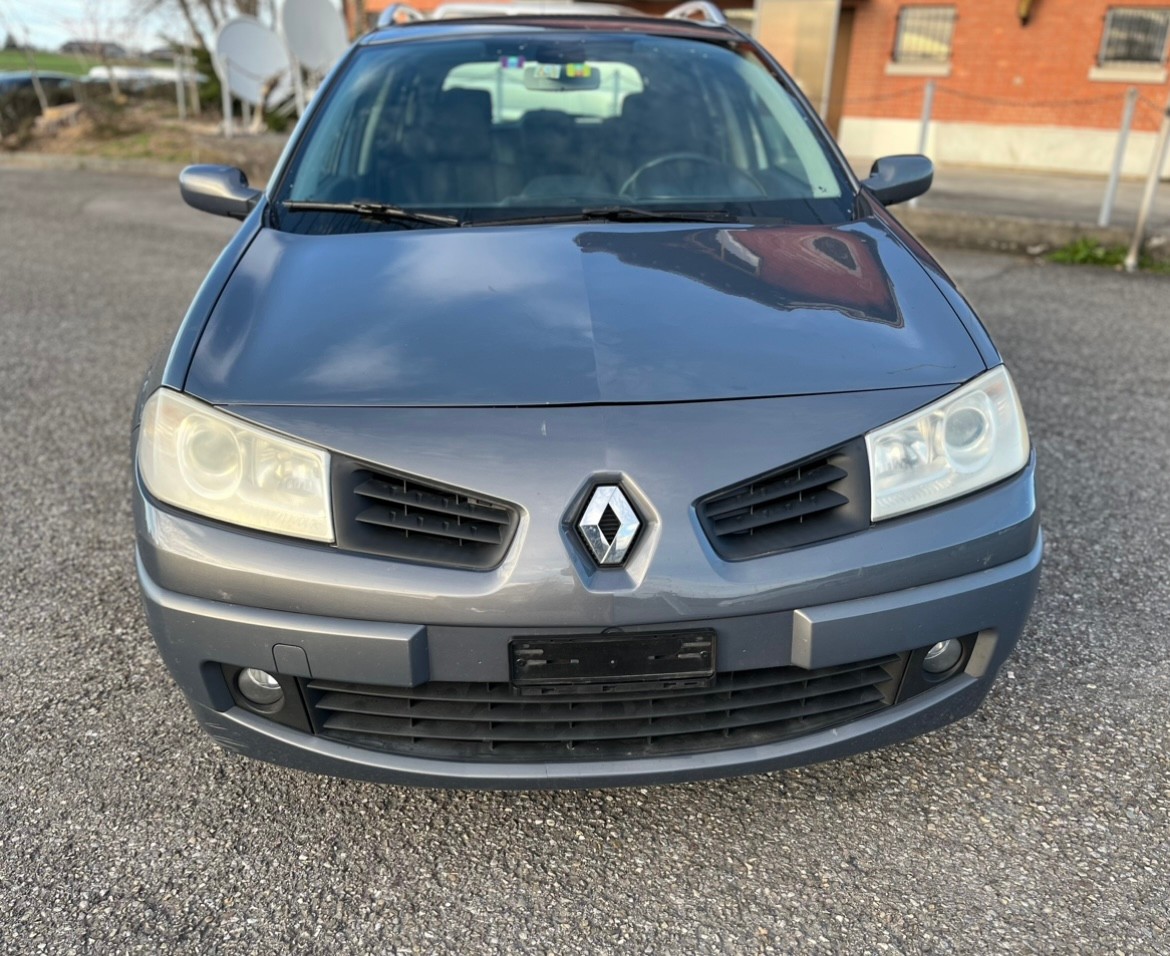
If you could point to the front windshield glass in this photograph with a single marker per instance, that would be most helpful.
(515, 126)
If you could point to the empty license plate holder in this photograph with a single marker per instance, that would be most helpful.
(599, 663)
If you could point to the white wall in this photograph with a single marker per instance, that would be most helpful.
(1053, 148)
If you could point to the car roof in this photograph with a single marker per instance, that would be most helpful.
(570, 23)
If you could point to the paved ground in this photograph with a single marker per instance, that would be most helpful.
(1043, 196)
(1038, 195)
(1040, 825)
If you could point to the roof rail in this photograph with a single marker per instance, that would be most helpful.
(697, 11)
(707, 13)
(399, 13)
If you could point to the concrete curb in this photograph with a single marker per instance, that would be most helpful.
(1017, 234)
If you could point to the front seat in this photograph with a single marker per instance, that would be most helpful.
(450, 159)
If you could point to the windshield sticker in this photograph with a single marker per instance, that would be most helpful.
(511, 63)
(578, 69)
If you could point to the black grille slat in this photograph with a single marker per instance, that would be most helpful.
(459, 692)
(492, 722)
(626, 749)
(516, 711)
(566, 730)
(805, 480)
(609, 524)
(820, 498)
(456, 505)
(782, 511)
(413, 520)
(424, 523)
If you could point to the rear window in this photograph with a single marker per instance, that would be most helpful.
(513, 93)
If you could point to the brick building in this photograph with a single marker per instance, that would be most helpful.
(1037, 84)
(1028, 85)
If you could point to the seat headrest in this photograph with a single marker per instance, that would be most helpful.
(458, 126)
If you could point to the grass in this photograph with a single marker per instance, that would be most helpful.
(1088, 252)
(15, 60)
(162, 146)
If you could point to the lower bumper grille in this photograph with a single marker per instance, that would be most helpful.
(489, 722)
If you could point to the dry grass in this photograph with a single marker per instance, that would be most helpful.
(148, 130)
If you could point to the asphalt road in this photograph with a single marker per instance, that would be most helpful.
(1042, 824)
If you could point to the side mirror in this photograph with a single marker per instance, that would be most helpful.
(895, 179)
(221, 190)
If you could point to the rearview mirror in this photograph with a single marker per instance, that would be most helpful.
(560, 77)
(894, 179)
(221, 190)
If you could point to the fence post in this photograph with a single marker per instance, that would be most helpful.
(192, 80)
(180, 89)
(298, 84)
(226, 99)
(924, 128)
(42, 100)
(1159, 160)
(1131, 98)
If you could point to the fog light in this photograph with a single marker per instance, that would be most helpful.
(259, 687)
(942, 657)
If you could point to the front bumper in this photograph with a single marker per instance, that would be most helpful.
(198, 635)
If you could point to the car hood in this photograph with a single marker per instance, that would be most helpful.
(576, 314)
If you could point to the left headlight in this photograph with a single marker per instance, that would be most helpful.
(200, 459)
(972, 438)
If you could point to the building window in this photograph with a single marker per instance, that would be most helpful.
(924, 35)
(1135, 35)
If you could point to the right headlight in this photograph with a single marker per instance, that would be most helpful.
(972, 438)
(196, 457)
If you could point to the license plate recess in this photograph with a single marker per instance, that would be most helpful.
(612, 663)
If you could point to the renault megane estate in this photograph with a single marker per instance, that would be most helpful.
(566, 413)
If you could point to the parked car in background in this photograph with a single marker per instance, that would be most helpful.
(566, 413)
(140, 79)
(18, 96)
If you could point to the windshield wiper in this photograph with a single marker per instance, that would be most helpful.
(615, 214)
(375, 210)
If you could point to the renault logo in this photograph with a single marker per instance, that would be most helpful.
(609, 525)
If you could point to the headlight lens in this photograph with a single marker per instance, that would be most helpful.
(198, 458)
(974, 437)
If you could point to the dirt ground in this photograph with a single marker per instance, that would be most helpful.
(149, 130)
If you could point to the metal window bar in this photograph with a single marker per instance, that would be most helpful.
(924, 34)
(1135, 35)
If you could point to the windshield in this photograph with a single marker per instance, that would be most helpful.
(513, 126)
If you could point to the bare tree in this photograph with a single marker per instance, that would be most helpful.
(102, 29)
(42, 101)
(204, 17)
(181, 8)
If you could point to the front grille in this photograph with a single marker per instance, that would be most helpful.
(413, 520)
(822, 497)
(490, 722)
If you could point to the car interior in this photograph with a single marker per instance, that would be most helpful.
(434, 132)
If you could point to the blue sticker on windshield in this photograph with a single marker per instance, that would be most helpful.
(511, 63)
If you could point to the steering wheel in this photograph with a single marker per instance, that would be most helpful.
(754, 189)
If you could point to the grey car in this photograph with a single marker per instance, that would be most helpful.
(565, 413)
